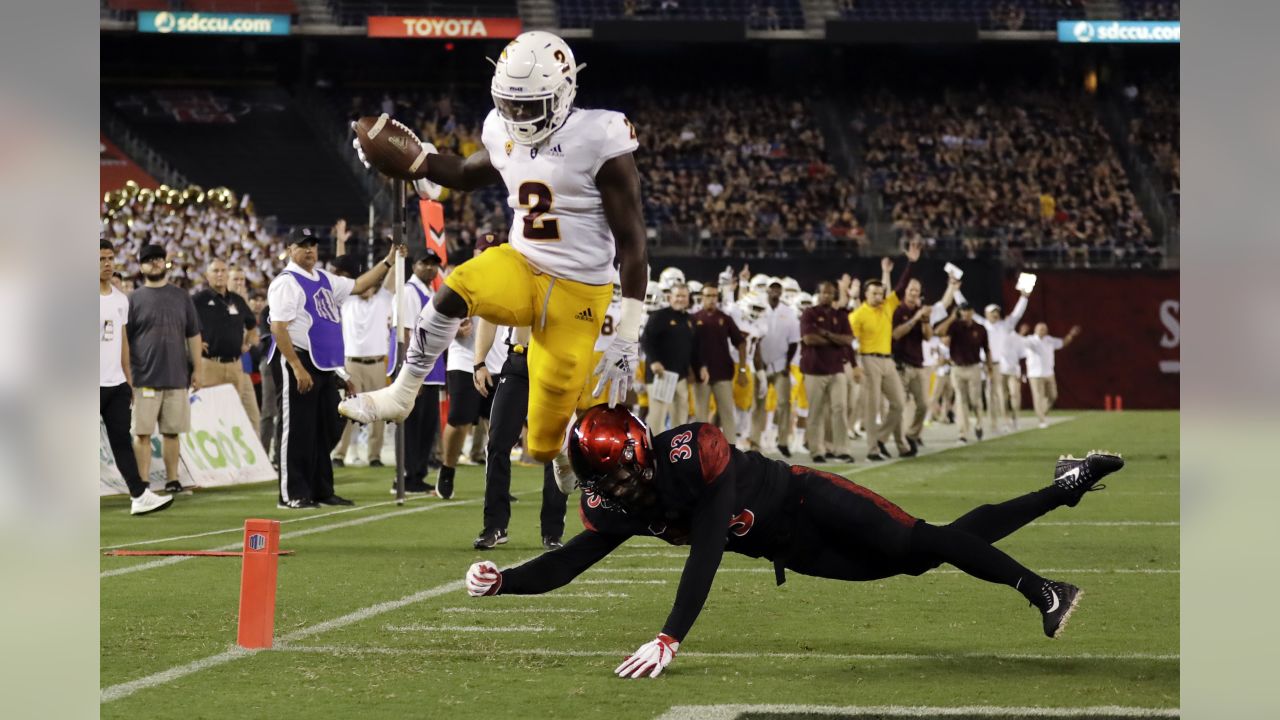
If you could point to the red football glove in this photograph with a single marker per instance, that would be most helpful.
(651, 659)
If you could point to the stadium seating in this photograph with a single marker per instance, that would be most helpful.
(355, 12)
(1147, 10)
(988, 14)
(284, 7)
(250, 139)
(788, 14)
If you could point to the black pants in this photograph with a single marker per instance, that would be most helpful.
(507, 417)
(420, 430)
(309, 428)
(114, 404)
(848, 532)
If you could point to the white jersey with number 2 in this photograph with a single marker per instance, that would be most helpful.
(559, 220)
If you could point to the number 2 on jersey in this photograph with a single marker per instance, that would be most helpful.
(535, 198)
(680, 449)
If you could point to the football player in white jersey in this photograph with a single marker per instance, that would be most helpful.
(572, 181)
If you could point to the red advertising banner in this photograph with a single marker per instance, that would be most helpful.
(1130, 338)
(115, 168)
(444, 28)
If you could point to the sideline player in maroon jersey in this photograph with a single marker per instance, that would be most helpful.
(688, 486)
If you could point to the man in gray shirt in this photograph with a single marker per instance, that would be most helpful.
(164, 344)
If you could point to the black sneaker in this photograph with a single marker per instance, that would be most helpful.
(784, 451)
(416, 489)
(375, 463)
(298, 504)
(845, 458)
(1060, 600)
(916, 442)
(335, 500)
(512, 498)
(173, 487)
(876, 457)
(490, 538)
(883, 450)
(339, 462)
(551, 542)
(817, 459)
(444, 482)
(964, 439)
(978, 432)
(1078, 477)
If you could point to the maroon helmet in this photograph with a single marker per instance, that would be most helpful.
(613, 459)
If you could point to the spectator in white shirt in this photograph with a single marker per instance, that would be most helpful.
(1004, 349)
(777, 350)
(1040, 348)
(366, 339)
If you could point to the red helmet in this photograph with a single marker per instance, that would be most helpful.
(612, 457)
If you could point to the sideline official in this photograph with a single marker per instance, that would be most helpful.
(306, 323)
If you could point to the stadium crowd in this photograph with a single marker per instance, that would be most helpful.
(1030, 174)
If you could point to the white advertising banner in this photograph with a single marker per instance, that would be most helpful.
(222, 448)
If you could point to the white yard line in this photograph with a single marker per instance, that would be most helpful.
(865, 657)
(125, 689)
(485, 610)
(1082, 571)
(291, 535)
(730, 712)
(417, 628)
(619, 582)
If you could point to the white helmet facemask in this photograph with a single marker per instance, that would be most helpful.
(535, 80)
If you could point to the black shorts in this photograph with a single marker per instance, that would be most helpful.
(466, 405)
(848, 532)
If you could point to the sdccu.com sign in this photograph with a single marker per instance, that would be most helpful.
(197, 23)
(1119, 31)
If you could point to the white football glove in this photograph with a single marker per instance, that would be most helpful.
(483, 579)
(355, 143)
(651, 659)
(617, 369)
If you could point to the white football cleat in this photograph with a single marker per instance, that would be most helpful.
(149, 502)
(381, 404)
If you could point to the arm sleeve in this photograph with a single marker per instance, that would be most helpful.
(901, 286)
(284, 298)
(793, 330)
(342, 287)
(807, 325)
(1019, 308)
(1055, 342)
(618, 138)
(193, 320)
(707, 539)
(559, 567)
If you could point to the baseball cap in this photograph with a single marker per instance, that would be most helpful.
(151, 251)
(301, 236)
(775, 281)
(964, 306)
(991, 307)
(427, 256)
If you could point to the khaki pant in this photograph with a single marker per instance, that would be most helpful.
(881, 384)
(725, 407)
(1044, 393)
(855, 391)
(781, 382)
(1005, 396)
(968, 384)
(231, 373)
(366, 377)
(943, 392)
(915, 383)
(677, 410)
(828, 395)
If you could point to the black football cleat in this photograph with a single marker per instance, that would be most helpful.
(1060, 600)
(335, 500)
(552, 542)
(490, 538)
(784, 451)
(1078, 477)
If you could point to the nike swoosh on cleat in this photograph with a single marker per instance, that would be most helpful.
(1073, 473)
(1054, 607)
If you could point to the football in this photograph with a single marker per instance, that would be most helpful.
(391, 147)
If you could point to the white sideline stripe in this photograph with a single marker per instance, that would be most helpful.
(241, 529)
(468, 628)
(729, 712)
(620, 582)
(125, 689)
(1108, 523)
(555, 595)
(486, 610)
(908, 657)
(1081, 571)
(292, 535)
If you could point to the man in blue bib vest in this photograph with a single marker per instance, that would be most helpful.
(306, 323)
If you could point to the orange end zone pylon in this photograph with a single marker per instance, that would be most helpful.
(258, 583)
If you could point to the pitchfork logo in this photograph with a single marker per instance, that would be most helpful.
(257, 541)
(325, 306)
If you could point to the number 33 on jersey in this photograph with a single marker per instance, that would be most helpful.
(559, 219)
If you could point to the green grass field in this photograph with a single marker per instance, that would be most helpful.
(372, 621)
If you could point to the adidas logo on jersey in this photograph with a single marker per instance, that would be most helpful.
(555, 152)
(586, 315)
